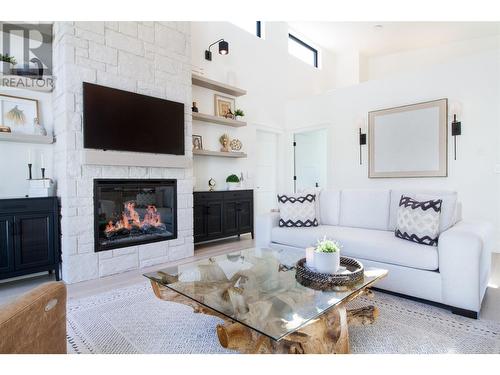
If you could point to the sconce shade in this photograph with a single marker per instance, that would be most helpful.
(223, 47)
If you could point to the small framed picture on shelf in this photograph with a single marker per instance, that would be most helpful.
(197, 142)
(18, 114)
(224, 106)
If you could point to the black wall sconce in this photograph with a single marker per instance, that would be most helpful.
(456, 129)
(362, 142)
(223, 49)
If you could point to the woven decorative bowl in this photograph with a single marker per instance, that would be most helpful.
(330, 282)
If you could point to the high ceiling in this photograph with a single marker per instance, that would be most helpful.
(382, 38)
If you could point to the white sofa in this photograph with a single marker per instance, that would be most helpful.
(455, 273)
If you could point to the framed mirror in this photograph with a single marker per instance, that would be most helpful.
(409, 141)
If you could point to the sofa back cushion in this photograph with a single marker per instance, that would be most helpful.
(449, 212)
(329, 207)
(364, 208)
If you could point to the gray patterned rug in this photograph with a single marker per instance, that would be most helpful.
(133, 320)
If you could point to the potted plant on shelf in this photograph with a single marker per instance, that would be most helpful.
(327, 256)
(233, 182)
(6, 63)
(238, 113)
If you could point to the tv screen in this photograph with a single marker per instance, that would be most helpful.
(125, 121)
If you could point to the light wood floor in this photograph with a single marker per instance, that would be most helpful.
(11, 289)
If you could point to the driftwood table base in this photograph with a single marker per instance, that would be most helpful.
(327, 334)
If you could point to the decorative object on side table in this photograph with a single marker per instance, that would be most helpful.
(194, 108)
(327, 256)
(233, 182)
(4, 129)
(236, 145)
(197, 142)
(211, 184)
(224, 141)
(224, 106)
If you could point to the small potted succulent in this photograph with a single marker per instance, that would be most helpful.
(6, 63)
(327, 256)
(233, 182)
(238, 113)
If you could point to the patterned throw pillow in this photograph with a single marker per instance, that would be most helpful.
(297, 210)
(418, 221)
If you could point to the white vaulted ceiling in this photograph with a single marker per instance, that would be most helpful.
(390, 37)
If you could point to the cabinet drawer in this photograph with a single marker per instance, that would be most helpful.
(27, 205)
(205, 196)
(239, 194)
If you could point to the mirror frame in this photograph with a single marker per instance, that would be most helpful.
(442, 171)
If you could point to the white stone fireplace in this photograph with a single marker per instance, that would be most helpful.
(151, 58)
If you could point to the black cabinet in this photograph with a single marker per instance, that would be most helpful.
(29, 236)
(222, 214)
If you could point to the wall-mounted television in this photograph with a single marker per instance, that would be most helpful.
(125, 121)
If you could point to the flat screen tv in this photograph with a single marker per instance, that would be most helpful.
(125, 121)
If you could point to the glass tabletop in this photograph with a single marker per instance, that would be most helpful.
(257, 288)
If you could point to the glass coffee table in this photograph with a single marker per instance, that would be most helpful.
(265, 310)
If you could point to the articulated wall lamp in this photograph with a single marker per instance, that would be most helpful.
(223, 49)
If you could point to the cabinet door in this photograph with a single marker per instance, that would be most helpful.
(6, 244)
(231, 217)
(199, 225)
(245, 215)
(34, 244)
(214, 218)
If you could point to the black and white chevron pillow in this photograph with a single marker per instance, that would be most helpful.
(418, 221)
(297, 210)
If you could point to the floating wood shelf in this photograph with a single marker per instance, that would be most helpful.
(216, 86)
(220, 154)
(218, 120)
(26, 138)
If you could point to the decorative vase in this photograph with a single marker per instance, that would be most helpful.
(233, 185)
(327, 262)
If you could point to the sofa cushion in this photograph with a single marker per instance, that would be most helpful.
(364, 208)
(418, 221)
(449, 212)
(375, 245)
(329, 207)
(317, 203)
(297, 210)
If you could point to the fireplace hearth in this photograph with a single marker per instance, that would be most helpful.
(132, 212)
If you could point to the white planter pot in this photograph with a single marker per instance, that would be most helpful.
(327, 262)
(233, 185)
(5, 68)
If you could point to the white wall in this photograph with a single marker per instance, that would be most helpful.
(263, 67)
(472, 81)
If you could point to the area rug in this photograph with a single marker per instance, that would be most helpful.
(132, 320)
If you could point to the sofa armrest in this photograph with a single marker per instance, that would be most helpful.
(464, 263)
(264, 225)
(35, 323)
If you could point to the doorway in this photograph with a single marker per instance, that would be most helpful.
(310, 159)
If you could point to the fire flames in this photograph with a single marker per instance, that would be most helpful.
(131, 219)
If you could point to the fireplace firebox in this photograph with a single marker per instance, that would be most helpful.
(132, 212)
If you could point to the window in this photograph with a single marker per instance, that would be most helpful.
(253, 27)
(302, 50)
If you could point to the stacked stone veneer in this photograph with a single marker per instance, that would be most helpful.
(151, 58)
